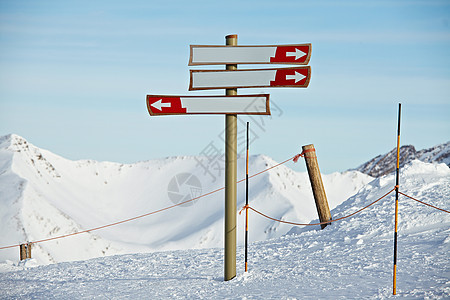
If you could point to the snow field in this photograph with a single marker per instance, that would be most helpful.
(351, 258)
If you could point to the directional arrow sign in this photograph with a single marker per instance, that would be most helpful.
(224, 79)
(282, 54)
(180, 105)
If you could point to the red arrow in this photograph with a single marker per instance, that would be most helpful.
(298, 77)
(292, 54)
(298, 54)
(166, 105)
(233, 104)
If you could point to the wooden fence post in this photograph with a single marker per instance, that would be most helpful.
(29, 250)
(323, 210)
(25, 251)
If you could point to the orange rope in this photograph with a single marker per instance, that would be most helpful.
(119, 222)
(130, 219)
(147, 214)
(245, 207)
(295, 159)
(326, 222)
(12, 246)
(283, 162)
(424, 203)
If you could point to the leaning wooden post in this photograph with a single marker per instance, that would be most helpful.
(323, 210)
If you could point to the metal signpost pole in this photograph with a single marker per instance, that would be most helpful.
(230, 180)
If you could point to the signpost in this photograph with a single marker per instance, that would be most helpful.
(250, 78)
(232, 104)
(298, 54)
(158, 105)
(230, 223)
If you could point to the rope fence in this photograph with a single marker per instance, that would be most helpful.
(338, 219)
(425, 203)
(153, 212)
(315, 224)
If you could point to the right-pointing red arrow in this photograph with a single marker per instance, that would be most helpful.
(296, 54)
(293, 77)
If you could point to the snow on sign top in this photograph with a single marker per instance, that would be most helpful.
(298, 54)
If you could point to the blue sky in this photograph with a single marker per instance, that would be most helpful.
(74, 75)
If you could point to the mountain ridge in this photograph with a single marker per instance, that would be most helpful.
(384, 164)
(54, 196)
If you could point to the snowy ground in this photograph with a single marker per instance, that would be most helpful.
(350, 259)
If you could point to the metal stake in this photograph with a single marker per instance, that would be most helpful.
(396, 201)
(246, 205)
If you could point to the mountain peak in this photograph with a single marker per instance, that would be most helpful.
(386, 163)
(13, 142)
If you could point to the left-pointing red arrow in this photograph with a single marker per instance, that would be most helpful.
(159, 104)
(233, 104)
(166, 105)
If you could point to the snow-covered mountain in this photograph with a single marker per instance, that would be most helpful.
(43, 195)
(386, 163)
(351, 259)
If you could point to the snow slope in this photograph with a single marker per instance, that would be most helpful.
(43, 195)
(351, 259)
